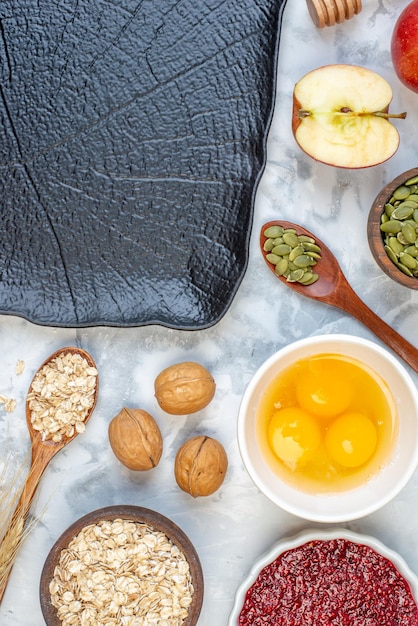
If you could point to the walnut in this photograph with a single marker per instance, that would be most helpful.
(184, 388)
(200, 466)
(135, 439)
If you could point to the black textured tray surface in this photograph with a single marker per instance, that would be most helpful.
(132, 138)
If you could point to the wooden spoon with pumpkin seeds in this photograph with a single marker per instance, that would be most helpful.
(332, 287)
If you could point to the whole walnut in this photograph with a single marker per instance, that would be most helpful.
(135, 439)
(184, 388)
(200, 466)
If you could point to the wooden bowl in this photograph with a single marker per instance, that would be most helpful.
(375, 237)
(132, 513)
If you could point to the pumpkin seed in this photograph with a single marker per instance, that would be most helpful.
(408, 260)
(282, 249)
(405, 269)
(412, 250)
(314, 255)
(295, 276)
(281, 267)
(268, 245)
(273, 231)
(389, 208)
(306, 278)
(408, 231)
(295, 252)
(304, 260)
(391, 254)
(291, 239)
(402, 239)
(395, 245)
(412, 181)
(272, 258)
(401, 192)
(311, 247)
(306, 239)
(309, 281)
(402, 211)
(392, 226)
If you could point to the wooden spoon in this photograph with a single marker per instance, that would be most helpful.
(333, 288)
(43, 450)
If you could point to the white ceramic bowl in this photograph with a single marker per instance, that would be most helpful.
(356, 502)
(311, 535)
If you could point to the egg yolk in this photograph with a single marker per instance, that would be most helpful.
(293, 436)
(351, 439)
(323, 396)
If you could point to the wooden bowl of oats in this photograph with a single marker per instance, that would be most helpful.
(119, 562)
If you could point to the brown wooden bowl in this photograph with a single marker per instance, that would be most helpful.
(374, 234)
(133, 513)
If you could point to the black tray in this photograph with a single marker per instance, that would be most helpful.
(132, 139)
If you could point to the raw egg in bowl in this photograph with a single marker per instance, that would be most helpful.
(328, 427)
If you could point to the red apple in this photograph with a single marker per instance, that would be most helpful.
(404, 46)
(340, 116)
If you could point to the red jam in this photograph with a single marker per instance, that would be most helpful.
(330, 583)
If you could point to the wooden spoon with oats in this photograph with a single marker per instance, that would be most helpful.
(60, 400)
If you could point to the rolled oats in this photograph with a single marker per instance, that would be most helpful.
(20, 366)
(121, 573)
(61, 396)
(9, 403)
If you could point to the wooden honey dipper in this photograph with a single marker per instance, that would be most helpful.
(330, 12)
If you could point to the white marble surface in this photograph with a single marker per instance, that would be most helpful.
(233, 527)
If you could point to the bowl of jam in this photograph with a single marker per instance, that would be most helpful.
(328, 577)
(328, 427)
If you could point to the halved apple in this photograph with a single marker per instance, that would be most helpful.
(341, 116)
